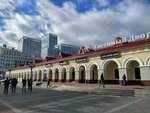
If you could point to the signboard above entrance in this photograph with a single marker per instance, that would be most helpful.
(111, 55)
(84, 59)
(48, 65)
(63, 63)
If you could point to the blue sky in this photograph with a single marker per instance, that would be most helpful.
(79, 21)
(86, 5)
(82, 6)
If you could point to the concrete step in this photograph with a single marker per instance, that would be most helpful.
(115, 92)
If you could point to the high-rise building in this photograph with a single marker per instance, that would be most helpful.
(30, 47)
(67, 48)
(10, 58)
(48, 42)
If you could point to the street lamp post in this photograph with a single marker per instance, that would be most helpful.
(31, 67)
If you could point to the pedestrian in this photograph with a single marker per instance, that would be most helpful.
(124, 80)
(24, 85)
(14, 83)
(49, 83)
(102, 81)
(30, 85)
(6, 86)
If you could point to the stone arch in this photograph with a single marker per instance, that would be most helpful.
(39, 75)
(93, 63)
(93, 70)
(24, 75)
(56, 74)
(63, 74)
(27, 74)
(50, 74)
(82, 74)
(80, 66)
(128, 60)
(45, 73)
(75, 67)
(61, 68)
(132, 65)
(111, 70)
(108, 60)
(72, 70)
(35, 75)
(147, 61)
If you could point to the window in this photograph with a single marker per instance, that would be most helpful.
(116, 73)
(137, 73)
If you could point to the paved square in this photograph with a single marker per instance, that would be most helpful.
(52, 101)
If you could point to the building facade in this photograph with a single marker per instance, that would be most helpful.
(67, 49)
(48, 42)
(115, 59)
(30, 47)
(11, 58)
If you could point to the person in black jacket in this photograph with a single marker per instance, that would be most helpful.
(14, 83)
(124, 80)
(102, 80)
(49, 83)
(6, 86)
(24, 85)
(30, 85)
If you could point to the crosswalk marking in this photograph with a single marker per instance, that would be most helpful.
(66, 102)
(123, 106)
(16, 110)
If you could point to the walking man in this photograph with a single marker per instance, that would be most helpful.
(124, 80)
(30, 85)
(102, 81)
(14, 83)
(24, 85)
(48, 83)
(6, 86)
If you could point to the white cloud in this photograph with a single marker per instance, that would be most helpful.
(103, 2)
(94, 26)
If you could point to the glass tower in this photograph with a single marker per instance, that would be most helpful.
(48, 42)
(30, 47)
(67, 48)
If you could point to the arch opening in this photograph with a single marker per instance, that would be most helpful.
(40, 75)
(133, 72)
(82, 74)
(94, 74)
(56, 75)
(50, 75)
(72, 74)
(111, 72)
(45, 75)
(35, 75)
(63, 75)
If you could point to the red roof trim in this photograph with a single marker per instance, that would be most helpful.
(114, 48)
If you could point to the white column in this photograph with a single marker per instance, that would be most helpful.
(67, 76)
(60, 76)
(77, 76)
(122, 71)
(145, 72)
(87, 76)
(100, 71)
(47, 74)
(53, 75)
(38, 74)
(33, 75)
(42, 76)
(145, 75)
